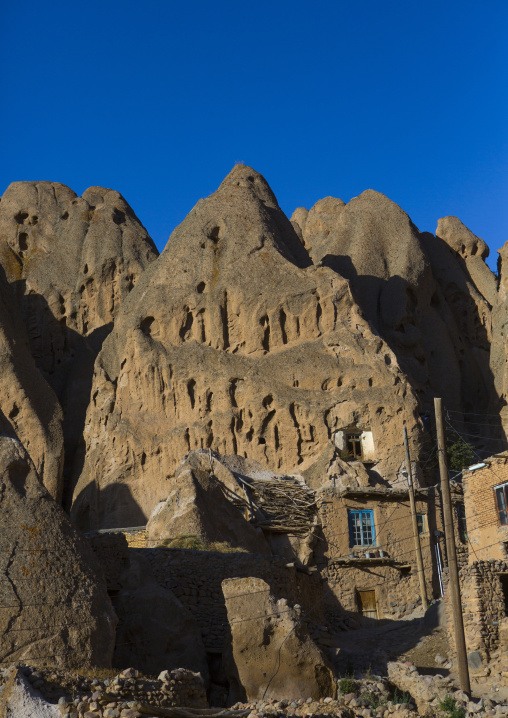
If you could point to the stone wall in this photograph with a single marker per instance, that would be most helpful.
(112, 551)
(485, 533)
(484, 606)
(396, 595)
(195, 577)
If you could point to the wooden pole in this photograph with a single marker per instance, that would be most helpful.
(460, 639)
(416, 535)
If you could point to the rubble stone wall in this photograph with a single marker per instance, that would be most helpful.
(484, 606)
(195, 577)
(396, 595)
(485, 533)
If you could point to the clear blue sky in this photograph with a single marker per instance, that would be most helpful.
(159, 99)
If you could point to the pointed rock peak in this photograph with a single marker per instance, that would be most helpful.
(460, 238)
(382, 209)
(247, 178)
(300, 215)
(298, 220)
(97, 196)
(376, 200)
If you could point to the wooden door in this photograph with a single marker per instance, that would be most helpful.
(368, 605)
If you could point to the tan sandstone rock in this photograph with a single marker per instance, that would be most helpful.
(232, 340)
(29, 409)
(271, 655)
(473, 250)
(71, 262)
(330, 470)
(499, 347)
(198, 504)
(425, 305)
(54, 608)
(18, 699)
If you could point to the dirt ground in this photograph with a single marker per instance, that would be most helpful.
(415, 639)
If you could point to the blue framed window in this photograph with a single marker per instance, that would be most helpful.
(361, 528)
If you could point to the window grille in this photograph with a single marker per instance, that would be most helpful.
(361, 528)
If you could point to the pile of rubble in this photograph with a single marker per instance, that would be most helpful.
(366, 697)
(127, 695)
(430, 691)
(405, 693)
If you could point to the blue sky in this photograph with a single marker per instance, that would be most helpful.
(159, 100)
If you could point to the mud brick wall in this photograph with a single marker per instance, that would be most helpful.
(397, 589)
(483, 603)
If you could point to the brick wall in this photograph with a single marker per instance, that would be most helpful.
(485, 533)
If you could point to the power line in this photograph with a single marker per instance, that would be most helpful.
(471, 413)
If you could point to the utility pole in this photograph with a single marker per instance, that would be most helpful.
(419, 560)
(458, 623)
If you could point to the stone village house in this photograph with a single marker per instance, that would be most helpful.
(368, 553)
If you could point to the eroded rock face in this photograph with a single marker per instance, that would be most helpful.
(71, 262)
(54, 601)
(270, 655)
(82, 255)
(428, 297)
(234, 341)
(499, 348)
(29, 409)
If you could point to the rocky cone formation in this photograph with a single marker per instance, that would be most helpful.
(248, 349)
(53, 601)
(431, 305)
(251, 335)
(277, 343)
(71, 262)
(200, 503)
